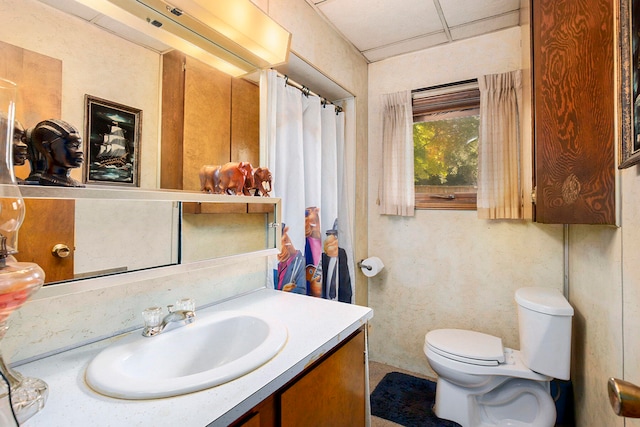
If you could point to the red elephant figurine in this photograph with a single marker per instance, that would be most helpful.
(262, 182)
(210, 179)
(234, 177)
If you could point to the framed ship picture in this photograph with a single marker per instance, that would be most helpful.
(629, 82)
(112, 143)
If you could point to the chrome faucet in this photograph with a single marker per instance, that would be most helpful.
(155, 324)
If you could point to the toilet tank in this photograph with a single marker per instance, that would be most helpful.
(544, 321)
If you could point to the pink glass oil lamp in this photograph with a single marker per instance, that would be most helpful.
(18, 280)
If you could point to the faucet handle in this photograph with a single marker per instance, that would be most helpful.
(186, 304)
(152, 317)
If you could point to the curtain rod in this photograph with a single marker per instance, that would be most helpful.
(306, 91)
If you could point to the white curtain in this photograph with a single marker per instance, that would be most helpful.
(305, 142)
(396, 190)
(499, 147)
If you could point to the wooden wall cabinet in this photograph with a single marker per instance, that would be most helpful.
(47, 223)
(330, 393)
(573, 111)
(208, 118)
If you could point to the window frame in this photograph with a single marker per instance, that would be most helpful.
(441, 100)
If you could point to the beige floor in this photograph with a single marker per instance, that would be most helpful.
(377, 371)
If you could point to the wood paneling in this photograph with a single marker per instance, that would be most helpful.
(245, 122)
(48, 222)
(573, 111)
(332, 394)
(263, 415)
(207, 119)
(172, 120)
(39, 80)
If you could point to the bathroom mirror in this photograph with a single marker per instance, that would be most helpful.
(101, 231)
(211, 230)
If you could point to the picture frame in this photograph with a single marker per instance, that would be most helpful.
(629, 74)
(112, 143)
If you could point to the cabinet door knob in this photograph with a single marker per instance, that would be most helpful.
(624, 398)
(61, 250)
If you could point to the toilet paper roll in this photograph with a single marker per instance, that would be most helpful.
(371, 266)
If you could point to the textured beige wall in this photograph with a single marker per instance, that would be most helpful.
(50, 323)
(448, 269)
(625, 365)
(596, 293)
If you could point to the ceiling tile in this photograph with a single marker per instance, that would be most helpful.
(405, 46)
(484, 26)
(374, 23)
(458, 12)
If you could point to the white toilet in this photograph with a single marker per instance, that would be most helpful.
(481, 383)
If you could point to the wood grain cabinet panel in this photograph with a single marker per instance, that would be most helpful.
(173, 64)
(573, 111)
(245, 122)
(48, 222)
(329, 393)
(208, 118)
(332, 394)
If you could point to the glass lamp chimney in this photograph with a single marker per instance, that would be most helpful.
(11, 201)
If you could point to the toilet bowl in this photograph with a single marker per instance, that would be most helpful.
(488, 395)
(481, 383)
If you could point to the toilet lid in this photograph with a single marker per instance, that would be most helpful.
(466, 346)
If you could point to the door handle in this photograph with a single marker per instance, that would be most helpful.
(624, 398)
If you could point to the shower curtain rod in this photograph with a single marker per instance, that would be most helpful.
(306, 91)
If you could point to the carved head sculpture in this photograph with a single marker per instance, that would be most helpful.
(61, 145)
(19, 146)
(37, 160)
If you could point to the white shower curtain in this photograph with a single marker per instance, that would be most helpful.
(305, 149)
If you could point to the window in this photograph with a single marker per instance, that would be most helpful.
(445, 142)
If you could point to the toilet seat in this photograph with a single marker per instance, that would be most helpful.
(466, 346)
(511, 365)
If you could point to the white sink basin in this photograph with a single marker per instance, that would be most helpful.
(216, 348)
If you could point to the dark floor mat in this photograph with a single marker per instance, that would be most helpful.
(406, 400)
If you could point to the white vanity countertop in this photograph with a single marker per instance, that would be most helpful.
(315, 326)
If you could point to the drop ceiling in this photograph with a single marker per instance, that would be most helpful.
(381, 29)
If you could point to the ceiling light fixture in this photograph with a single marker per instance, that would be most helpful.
(234, 36)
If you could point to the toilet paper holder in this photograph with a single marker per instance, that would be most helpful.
(361, 264)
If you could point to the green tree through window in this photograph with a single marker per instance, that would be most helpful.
(446, 152)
